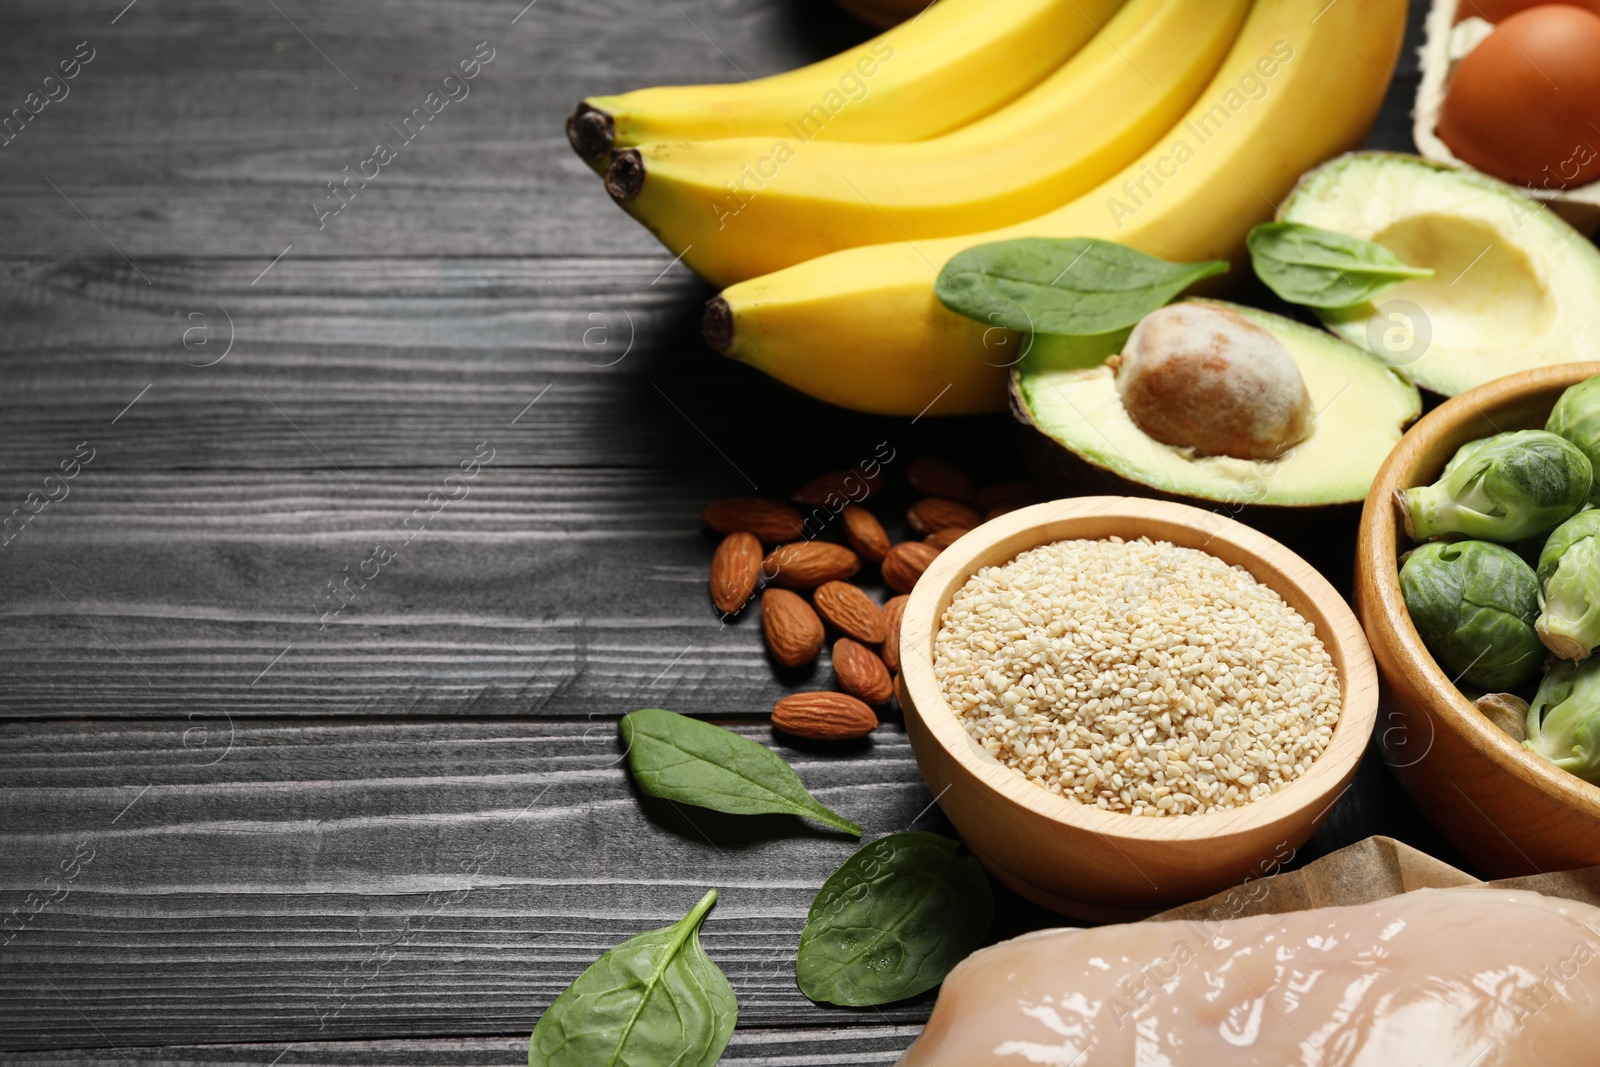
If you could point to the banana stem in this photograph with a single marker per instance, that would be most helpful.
(718, 325)
(591, 132)
(625, 176)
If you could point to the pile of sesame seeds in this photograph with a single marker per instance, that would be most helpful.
(1137, 676)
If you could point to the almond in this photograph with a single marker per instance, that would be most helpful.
(905, 563)
(770, 520)
(932, 476)
(943, 539)
(792, 629)
(807, 564)
(837, 487)
(734, 570)
(824, 716)
(860, 672)
(893, 612)
(1008, 495)
(850, 611)
(940, 513)
(865, 533)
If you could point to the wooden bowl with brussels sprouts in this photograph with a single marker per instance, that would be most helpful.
(1478, 584)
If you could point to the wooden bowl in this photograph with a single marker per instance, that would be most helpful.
(1506, 810)
(1098, 864)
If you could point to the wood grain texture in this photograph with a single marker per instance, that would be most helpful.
(556, 592)
(218, 502)
(278, 843)
(212, 128)
(310, 882)
(300, 881)
(864, 1045)
(264, 121)
(407, 363)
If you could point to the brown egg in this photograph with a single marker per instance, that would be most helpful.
(1525, 104)
(1499, 10)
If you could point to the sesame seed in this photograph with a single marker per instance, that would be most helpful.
(1137, 676)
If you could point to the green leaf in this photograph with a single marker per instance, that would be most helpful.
(1075, 285)
(655, 999)
(678, 758)
(1323, 269)
(893, 920)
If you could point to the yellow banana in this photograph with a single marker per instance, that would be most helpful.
(955, 62)
(862, 328)
(745, 206)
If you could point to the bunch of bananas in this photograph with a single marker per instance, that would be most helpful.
(827, 199)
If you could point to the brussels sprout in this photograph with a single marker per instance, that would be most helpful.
(1569, 587)
(1576, 417)
(1564, 719)
(1474, 605)
(1502, 488)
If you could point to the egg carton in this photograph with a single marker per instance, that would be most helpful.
(1445, 45)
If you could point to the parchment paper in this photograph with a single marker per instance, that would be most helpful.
(1368, 870)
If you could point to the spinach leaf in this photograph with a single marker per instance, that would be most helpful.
(893, 920)
(1074, 285)
(656, 998)
(1323, 269)
(678, 758)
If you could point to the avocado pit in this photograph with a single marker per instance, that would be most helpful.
(1206, 378)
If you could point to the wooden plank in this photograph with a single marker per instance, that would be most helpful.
(216, 503)
(550, 592)
(405, 363)
(271, 105)
(310, 882)
(539, 592)
(291, 881)
(297, 881)
(856, 1045)
(267, 119)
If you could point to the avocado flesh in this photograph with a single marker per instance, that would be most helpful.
(1514, 286)
(1363, 407)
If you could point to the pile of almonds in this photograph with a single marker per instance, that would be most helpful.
(866, 651)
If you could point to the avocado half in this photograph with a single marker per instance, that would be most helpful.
(1084, 437)
(1514, 286)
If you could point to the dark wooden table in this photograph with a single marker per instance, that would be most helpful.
(238, 827)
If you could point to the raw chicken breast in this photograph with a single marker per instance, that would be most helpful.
(1435, 978)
